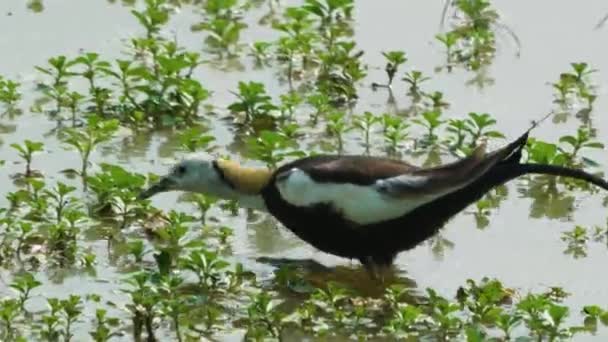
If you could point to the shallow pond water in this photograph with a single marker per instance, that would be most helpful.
(523, 250)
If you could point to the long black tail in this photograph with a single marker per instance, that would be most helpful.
(505, 172)
(554, 170)
(426, 220)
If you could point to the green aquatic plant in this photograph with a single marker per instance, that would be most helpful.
(430, 121)
(394, 132)
(271, 148)
(128, 75)
(395, 295)
(74, 216)
(224, 233)
(203, 203)
(9, 314)
(544, 318)
(457, 128)
(144, 304)
(63, 242)
(223, 8)
(287, 50)
(24, 284)
(414, 78)
(171, 96)
(26, 230)
(71, 310)
(155, 81)
(321, 104)
(153, 17)
(483, 300)
(472, 40)
(263, 318)
(582, 140)
(297, 42)
(337, 126)
(26, 152)
(437, 101)
(394, 59)
(35, 6)
(340, 70)
(185, 287)
(59, 72)
(116, 192)
(445, 322)
(577, 241)
(93, 69)
(261, 51)
(137, 249)
(329, 11)
(223, 24)
(60, 196)
(331, 300)
(9, 93)
(575, 86)
(405, 322)
(74, 101)
(290, 130)
(478, 125)
(173, 238)
(194, 139)
(449, 40)
(50, 329)
(223, 35)
(253, 101)
(289, 104)
(365, 123)
(88, 260)
(484, 206)
(105, 328)
(85, 141)
(174, 303)
(206, 265)
(543, 152)
(594, 315)
(35, 200)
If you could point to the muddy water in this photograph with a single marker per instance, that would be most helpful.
(522, 251)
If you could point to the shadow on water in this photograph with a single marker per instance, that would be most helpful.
(353, 277)
(548, 200)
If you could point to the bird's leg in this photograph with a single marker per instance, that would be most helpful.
(372, 268)
(377, 269)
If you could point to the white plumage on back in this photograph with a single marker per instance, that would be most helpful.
(357, 203)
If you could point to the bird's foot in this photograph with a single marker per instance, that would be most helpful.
(378, 272)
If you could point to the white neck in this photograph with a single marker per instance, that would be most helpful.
(221, 190)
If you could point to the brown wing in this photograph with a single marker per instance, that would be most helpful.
(360, 170)
(449, 177)
(397, 178)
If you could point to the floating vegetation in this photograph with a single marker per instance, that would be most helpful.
(575, 94)
(82, 257)
(472, 40)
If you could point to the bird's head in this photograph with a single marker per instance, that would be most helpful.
(196, 175)
(221, 178)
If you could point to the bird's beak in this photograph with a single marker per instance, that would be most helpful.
(164, 184)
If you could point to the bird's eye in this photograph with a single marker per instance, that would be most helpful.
(181, 170)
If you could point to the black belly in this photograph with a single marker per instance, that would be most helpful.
(379, 242)
(328, 231)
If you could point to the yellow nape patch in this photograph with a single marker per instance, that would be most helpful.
(248, 180)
